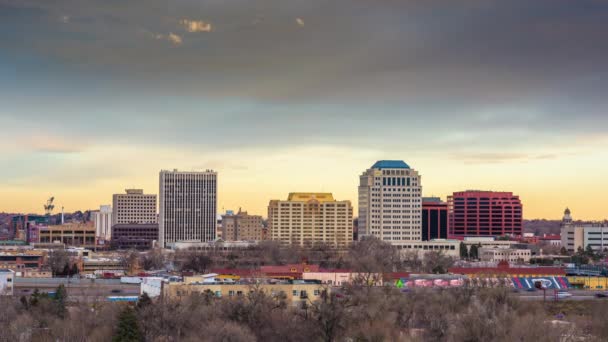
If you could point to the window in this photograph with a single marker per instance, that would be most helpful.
(296, 293)
(230, 293)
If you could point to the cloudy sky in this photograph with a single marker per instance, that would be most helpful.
(303, 95)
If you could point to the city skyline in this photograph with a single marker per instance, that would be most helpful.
(300, 97)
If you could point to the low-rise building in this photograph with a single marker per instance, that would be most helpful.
(340, 278)
(103, 265)
(294, 292)
(505, 254)
(551, 240)
(71, 234)
(18, 261)
(488, 242)
(447, 247)
(216, 246)
(138, 236)
(6, 282)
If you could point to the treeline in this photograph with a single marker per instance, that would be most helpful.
(357, 313)
(370, 255)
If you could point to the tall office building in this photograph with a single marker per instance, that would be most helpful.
(102, 219)
(390, 205)
(309, 218)
(133, 207)
(485, 213)
(242, 227)
(188, 202)
(434, 219)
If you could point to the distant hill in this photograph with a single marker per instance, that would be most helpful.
(540, 227)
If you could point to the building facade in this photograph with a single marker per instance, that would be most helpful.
(308, 218)
(505, 254)
(485, 213)
(434, 219)
(137, 236)
(102, 219)
(19, 261)
(133, 207)
(7, 278)
(294, 293)
(71, 234)
(188, 206)
(390, 202)
(242, 227)
(578, 236)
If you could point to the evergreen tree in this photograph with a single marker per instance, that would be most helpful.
(35, 298)
(474, 252)
(144, 301)
(464, 253)
(74, 270)
(66, 270)
(24, 302)
(563, 251)
(127, 330)
(59, 300)
(589, 251)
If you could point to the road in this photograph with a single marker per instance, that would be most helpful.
(577, 295)
(77, 289)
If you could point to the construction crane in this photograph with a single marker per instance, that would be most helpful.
(49, 206)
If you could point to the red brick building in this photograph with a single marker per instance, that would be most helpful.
(484, 213)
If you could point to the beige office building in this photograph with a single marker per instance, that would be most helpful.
(390, 203)
(133, 207)
(242, 227)
(309, 218)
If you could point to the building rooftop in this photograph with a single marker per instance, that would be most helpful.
(307, 196)
(390, 164)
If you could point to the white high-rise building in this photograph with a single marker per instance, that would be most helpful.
(390, 202)
(102, 219)
(188, 203)
(133, 207)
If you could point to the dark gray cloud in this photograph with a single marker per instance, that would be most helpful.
(437, 72)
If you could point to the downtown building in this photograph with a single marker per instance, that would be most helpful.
(307, 219)
(579, 236)
(133, 207)
(242, 227)
(102, 219)
(188, 207)
(485, 213)
(434, 219)
(390, 202)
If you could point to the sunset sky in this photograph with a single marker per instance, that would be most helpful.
(304, 95)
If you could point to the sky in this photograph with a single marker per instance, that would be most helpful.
(281, 96)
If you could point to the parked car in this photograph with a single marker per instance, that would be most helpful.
(563, 295)
(601, 295)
